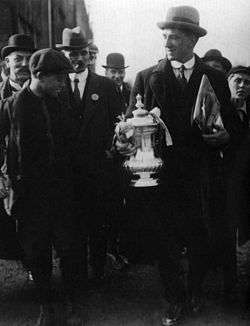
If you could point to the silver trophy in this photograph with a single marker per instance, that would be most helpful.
(144, 166)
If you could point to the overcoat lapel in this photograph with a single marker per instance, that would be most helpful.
(6, 90)
(163, 84)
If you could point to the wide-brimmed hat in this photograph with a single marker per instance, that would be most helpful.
(216, 55)
(50, 61)
(73, 39)
(18, 42)
(185, 18)
(239, 69)
(116, 61)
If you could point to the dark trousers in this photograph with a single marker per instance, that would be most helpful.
(164, 225)
(45, 219)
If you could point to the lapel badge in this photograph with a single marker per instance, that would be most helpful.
(95, 97)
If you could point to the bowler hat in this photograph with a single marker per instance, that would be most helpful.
(73, 39)
(183, 17)
(216, 55)
(49, 61)
(21, 42)
(115, 60)
(239, 69)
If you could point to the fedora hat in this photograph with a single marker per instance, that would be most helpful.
(73, 39)
(216, 55)
(115, 60)
(183, 17)
(21, 42)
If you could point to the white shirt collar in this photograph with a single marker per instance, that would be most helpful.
(82, 76)
(188, 64)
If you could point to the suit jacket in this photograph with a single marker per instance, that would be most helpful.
(94, 124)
(125, 95)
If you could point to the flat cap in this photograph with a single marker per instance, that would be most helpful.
(239, 69)
(50, 61)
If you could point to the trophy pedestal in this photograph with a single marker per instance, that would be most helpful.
(145, 180)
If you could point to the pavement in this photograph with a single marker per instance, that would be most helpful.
(131, 298)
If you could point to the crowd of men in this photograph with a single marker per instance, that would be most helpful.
(61, 182)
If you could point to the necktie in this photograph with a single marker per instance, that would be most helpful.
(76, 92)
(181, 77)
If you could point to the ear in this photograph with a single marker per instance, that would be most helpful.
(7, 60)
(38, 75)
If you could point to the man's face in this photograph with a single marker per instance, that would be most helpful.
(18, 64)
(179, 45)
(78, 58)
(117, 75)
(239, 84)
(216, 65)
(52, 84)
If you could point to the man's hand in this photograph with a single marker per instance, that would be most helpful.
(124, 140)
(219, 137)
(125, 148)
(3, 190)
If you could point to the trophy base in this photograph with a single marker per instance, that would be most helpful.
(145, 180)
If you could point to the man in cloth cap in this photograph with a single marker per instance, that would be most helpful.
(214, 59)
(39, 168)
(115, 70)
(178, 205)
(94, 107)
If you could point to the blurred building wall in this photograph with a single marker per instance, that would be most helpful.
(32, 17)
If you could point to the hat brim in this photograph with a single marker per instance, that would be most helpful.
(8, 49)
(240, 70)
(116, 67)
(71, 47)
(224, 61)
(197, 30)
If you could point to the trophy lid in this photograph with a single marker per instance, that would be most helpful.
(141, 116)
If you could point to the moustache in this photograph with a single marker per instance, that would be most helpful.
(23, 70)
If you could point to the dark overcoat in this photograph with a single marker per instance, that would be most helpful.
(238, 195)
(39, 167)
(192, 169)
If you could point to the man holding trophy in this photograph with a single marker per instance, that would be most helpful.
(196, 116)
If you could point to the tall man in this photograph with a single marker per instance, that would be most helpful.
(115, 70)
(172, 85)
(39, 168)
(95, 106)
